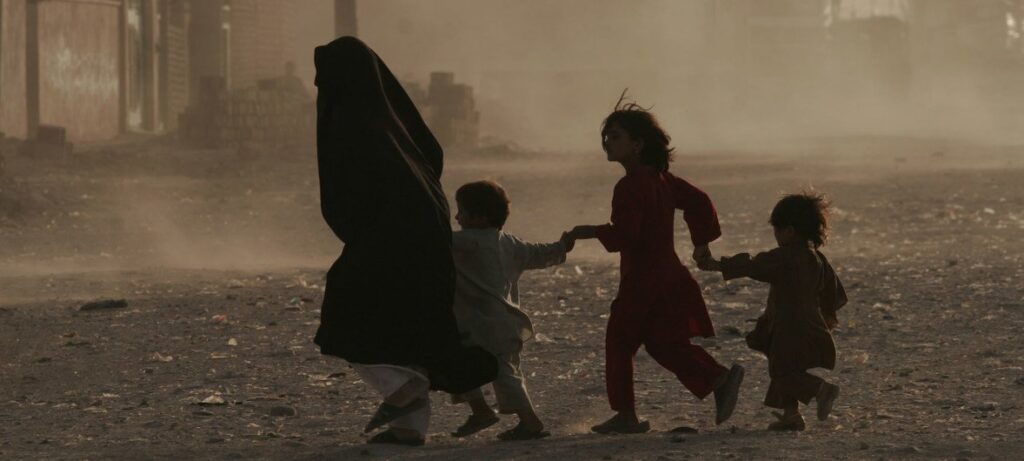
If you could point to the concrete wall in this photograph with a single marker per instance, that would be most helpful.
(174, 94)
(13, 117)
(79, 52)
(260, 39)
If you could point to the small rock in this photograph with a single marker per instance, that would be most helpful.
(158, 357)
(684, 430)
(232, 342)
(213, 400)
(282, 411)
(215, 440)
(74, 343)
(103, 305)
(987, 406)
(43, 360)
(676, 439)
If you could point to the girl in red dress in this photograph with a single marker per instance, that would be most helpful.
(659, 304)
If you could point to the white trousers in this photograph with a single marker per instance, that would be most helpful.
(387, 379)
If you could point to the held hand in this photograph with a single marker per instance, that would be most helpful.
(583, 232)
(831, 323)
(710, 264)
(568, 241)
(701, 254)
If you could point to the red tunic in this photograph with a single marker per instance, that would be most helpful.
(656, 293)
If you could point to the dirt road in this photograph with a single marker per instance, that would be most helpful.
(220, 257)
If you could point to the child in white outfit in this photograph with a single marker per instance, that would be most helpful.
(488, 264)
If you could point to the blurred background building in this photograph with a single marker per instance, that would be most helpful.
(215, 71)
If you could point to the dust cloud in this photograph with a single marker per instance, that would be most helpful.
(726, 78)
(716, 72)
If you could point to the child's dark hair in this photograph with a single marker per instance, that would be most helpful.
(640, 123)
(484, 198)
(807, 212)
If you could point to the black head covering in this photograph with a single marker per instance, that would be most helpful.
(388, 298)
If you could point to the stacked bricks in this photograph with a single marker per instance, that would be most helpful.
(267, 115)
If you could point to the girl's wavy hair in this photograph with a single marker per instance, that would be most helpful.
(807, 212)
(640, 123)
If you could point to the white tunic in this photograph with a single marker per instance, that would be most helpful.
(488, 263)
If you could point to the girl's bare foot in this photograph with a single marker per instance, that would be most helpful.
(622, 423)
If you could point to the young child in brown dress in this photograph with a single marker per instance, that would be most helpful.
(794, 331)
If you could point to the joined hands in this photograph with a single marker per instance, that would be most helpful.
(705, 261)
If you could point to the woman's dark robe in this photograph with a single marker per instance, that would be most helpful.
(388, 298)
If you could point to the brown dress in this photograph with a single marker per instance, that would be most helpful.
(803, 299)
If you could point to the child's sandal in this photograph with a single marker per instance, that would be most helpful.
(787, 423)
(475, 424)
(826, 398)
(521, 433)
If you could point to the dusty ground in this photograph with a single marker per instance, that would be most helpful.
(220, 256)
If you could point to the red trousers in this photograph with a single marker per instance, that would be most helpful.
(691, 364)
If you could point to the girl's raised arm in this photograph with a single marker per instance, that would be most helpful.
(698, 211)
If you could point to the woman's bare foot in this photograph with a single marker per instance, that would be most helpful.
(398, 436)
(787, 422)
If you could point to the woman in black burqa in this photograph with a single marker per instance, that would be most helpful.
(387, 308)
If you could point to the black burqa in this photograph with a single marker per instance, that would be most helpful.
(388, 298)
